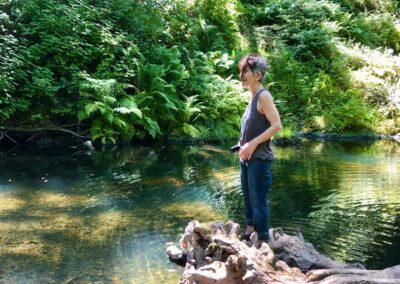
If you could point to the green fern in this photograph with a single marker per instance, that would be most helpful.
(112, 111)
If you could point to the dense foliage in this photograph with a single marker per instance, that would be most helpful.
(128, 68)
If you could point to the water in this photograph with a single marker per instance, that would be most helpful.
(105, 217)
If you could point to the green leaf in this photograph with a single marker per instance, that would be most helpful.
(137, 112)
(123, 110)
(126, 110)
(90, 108)
(82, 115)
(190, 130)
(97, 136)
(109, 116)
(121, 124)
(109, 100)
(152, 127)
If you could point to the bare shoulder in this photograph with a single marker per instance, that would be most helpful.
(265, 96)
(265, 102)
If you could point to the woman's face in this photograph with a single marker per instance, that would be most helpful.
(248, 78)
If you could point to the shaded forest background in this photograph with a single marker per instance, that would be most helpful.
(123, 69)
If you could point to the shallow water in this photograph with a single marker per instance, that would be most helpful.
(105, 217)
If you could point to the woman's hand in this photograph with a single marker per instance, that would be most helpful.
(246, 151)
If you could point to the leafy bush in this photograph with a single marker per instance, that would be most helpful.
(382, 6)
(153, 68)
(289, 83)
(159, 80)
(113, 113)
(213, 107)
(373, 30)
(217, 25)
(376, 75)
(351, 114)
(287, 132)
(10, 68)
(340, 110)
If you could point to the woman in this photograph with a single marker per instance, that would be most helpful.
(259, 123)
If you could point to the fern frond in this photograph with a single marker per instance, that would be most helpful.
(190, 130)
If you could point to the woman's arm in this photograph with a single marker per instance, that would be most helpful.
(268, 108)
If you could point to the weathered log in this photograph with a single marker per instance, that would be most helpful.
(296, 252)
(331, 276)
(214, 254)
(217, 256)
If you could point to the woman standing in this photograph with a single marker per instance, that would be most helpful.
(259, 123)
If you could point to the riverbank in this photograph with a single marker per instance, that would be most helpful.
(299, 137)
(58, 139)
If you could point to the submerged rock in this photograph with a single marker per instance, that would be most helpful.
(87, 145)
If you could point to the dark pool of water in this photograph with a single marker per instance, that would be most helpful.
(106, 216)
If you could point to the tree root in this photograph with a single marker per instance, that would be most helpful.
(214, 254)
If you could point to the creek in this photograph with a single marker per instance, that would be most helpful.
(105, 216)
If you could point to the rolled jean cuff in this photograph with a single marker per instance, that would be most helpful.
(263, 236)
(249, 222)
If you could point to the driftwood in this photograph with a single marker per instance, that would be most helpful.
(214, 254)
(37, 131)
(296, 252)
(27, 136)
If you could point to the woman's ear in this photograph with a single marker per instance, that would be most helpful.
(259, 76)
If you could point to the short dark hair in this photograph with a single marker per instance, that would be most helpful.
(254, 62)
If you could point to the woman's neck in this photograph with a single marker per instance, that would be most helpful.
(255, 88)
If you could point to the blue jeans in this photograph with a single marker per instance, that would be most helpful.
(256, 179)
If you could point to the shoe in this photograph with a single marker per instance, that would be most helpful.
(244, 237)
(260, 242)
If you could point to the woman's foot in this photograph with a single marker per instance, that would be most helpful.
(244, 237)
(260, 242)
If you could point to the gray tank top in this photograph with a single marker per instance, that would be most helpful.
(254, 123)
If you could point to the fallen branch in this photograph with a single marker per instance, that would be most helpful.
(41, 129)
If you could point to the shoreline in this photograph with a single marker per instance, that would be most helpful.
(298, 138)
(49, 141)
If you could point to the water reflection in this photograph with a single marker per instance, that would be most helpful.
(352, 201)
(106, 216)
